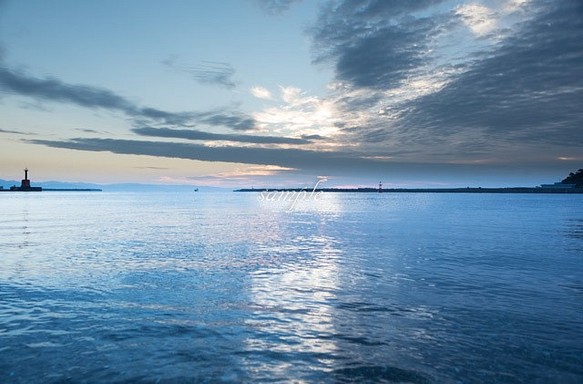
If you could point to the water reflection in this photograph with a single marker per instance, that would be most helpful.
(15, 223)
(327, 298)
(291, 291)
(352, 288)
(15, 234)
(293, 318)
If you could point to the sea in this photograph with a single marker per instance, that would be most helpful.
(100, 287)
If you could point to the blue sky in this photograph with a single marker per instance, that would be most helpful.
(262, 93)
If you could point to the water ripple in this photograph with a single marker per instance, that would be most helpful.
(223, 288)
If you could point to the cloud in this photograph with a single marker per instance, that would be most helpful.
(55, 90)
(241, 175)
(192, 134)
(479, 18)
(13, 132)
(302, 163)
(298, 114)
(455, 83)
(275, 7)
(153, 168)
(214, 73)
(207, 72)
(244, 173)
(322, 162)
(87, 130)
(313, 137)
(368, 43)
(261, 93)
(529, 90)
(236, 121)
(423, 86)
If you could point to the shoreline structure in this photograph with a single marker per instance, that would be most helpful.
(564, 187)
(573, 184)
(544, 190)
(26, 187)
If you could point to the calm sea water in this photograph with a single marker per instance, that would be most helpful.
(407, 288)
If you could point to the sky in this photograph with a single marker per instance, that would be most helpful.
(242, 93)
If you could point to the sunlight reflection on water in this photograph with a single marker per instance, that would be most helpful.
(352, 287)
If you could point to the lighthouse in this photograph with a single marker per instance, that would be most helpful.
(25, 183)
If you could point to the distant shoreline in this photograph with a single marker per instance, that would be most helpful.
(54, 190)
(72, 190)
(425, 190)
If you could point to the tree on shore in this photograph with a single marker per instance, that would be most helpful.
(574, 178)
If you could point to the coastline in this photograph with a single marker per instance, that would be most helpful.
(523, 190)
(53, 190)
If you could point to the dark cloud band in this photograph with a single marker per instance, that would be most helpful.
(192, 134)
(55, 90)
